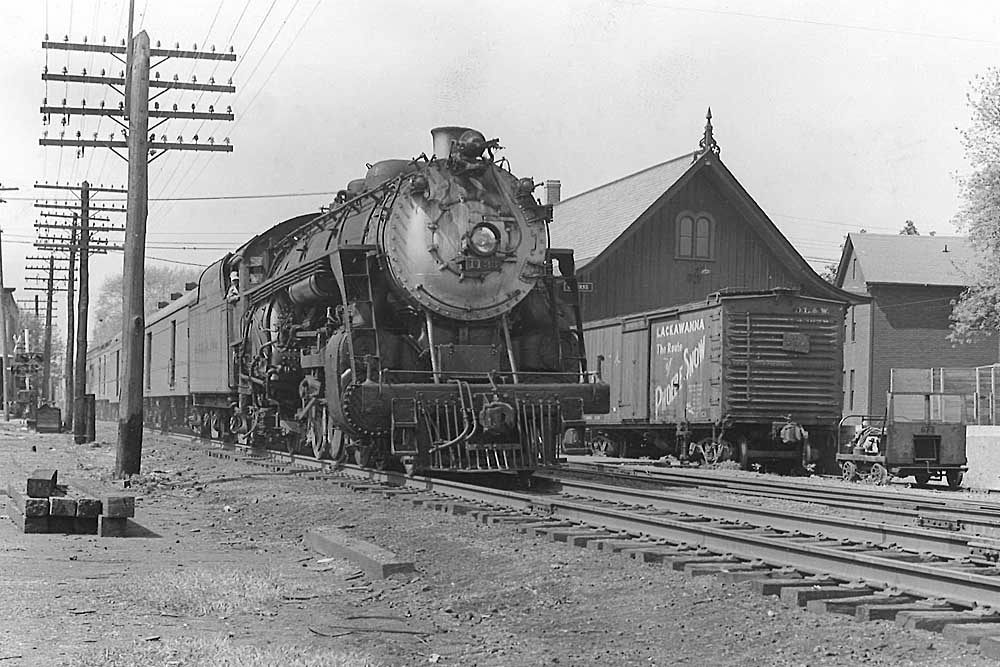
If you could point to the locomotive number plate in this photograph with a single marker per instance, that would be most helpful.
(482, 263)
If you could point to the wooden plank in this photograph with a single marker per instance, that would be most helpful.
(377, 562)
(62, 506)
(42, 483)
(27, 524)
(112, 526)
(29, 507)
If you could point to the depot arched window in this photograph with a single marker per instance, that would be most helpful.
(694, 235)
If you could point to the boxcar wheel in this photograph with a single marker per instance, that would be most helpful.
(954, 478)
(922, 478)
(849, 471)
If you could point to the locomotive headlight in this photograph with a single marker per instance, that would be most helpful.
(484, 240)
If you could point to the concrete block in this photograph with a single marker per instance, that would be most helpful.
(377, 562)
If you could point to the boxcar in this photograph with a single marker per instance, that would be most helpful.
(753, 376)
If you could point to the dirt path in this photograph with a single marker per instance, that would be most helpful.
(225, 573)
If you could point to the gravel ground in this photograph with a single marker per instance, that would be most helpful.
(224, 559)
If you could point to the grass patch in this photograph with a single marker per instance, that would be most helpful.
(199, 592)
(220, 652)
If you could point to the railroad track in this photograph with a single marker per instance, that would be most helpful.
(870, 562)
(969, 516)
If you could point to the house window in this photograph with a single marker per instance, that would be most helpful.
(854, 325)
(694, 235)
(854, 268)
(118, 374)
(850, 405)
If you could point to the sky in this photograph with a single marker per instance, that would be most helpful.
(835, 117)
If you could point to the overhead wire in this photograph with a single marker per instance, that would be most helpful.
(179, 163)
(243, 111)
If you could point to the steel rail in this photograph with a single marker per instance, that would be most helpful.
(941, 542)
(957, 581)
(978, 517)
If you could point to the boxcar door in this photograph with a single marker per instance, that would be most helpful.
(633, 378)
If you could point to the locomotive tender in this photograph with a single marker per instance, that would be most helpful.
(422, 318)
(750, 376)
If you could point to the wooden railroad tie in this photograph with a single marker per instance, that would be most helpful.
(45, 506)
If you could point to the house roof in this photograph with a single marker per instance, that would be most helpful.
(590, 221)
(916, 260)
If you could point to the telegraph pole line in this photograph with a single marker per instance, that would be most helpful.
(79, 245)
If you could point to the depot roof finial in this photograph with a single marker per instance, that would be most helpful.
(707, 143)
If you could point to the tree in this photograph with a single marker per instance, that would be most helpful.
(909, 229)
(829, 273)
(159, 283)
(977, 311)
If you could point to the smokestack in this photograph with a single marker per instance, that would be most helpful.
(444, 137)
(553, 192)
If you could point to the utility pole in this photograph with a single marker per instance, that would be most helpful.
(3, 328)
(77, 244)
(80, 367)
(69, 399)
(142, 147)
(47, 347)
(128, 456)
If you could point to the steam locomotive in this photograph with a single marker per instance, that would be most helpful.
(420, 320)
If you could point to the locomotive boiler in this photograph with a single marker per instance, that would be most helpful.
(422, 319)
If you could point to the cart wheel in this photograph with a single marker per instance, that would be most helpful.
(879, 476)
(849, 471)
(922, 478)
(954, 478)
(602, 445)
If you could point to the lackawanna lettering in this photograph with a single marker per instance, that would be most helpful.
(677, 328)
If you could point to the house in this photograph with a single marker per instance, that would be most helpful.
(674, 233)
(912, 282)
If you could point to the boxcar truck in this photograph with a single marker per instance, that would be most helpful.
(753, 377)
